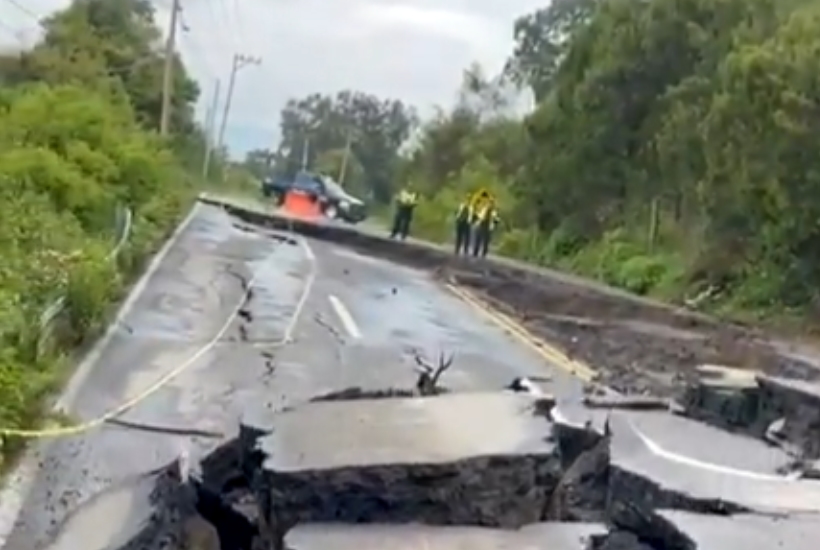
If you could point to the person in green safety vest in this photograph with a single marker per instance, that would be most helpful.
(406, 202)
(464, 221)
(486, 220)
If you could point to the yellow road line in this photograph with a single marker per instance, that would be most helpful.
(175, 372)
(550, 353)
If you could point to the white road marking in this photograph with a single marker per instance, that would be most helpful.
(345, 317)
(657, 450)
(14, 493)
(660, 452)
(308, 251)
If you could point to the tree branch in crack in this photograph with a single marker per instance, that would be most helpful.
(429, 375)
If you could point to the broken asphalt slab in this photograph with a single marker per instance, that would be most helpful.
(311, 482)
(545, 536)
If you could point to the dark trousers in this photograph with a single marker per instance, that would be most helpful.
(462, 237)
(401, 221)
(481, 241)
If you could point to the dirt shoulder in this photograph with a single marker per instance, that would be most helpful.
(638, 345)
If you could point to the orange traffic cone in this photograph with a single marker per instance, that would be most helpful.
(301, 205)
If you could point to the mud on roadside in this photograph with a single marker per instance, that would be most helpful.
(636, 347)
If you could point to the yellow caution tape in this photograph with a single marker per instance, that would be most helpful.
(63, 431)
(550, 353)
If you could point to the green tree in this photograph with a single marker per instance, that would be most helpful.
(672, 146)
(375, 128)
(541, 42)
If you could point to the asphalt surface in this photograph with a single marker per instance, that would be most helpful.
(353, 320)
(321, 318)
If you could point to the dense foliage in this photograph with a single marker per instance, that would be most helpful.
(673, 148)
(78, 144)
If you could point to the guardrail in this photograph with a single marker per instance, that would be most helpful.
(124, 221)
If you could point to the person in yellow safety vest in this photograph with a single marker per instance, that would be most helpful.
(464, 221)
(486, 220)
(406, 202)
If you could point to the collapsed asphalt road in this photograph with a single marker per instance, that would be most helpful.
(320, 318)
(360, 322)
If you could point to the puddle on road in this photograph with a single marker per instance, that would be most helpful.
(422, 316)
(108, 520)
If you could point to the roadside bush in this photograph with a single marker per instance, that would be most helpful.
(69, 157)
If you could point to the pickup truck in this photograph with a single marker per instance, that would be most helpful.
(336, 203)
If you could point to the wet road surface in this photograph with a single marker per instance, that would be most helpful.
(352, 320)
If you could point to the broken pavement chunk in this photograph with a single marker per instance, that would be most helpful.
(144, 512)
(781, 410)
(647, 476)
(335, 434)
(543, 536)
(471, 459)
(746, 531)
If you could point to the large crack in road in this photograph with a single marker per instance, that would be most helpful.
(329, 444)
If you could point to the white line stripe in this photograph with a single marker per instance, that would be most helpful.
(345, 317)
(657, 450)
(308, 251)
(654, 448)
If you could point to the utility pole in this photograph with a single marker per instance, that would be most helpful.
(305, 153)
(239, 62)
(168, 73)
(209, 130)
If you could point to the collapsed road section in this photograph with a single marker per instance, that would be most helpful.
(338, 448)
(492, 470)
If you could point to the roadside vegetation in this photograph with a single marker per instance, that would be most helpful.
(79, 146)
(672, 150)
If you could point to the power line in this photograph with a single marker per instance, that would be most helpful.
(194, 48)
(24, 10)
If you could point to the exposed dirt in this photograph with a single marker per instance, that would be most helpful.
(638, 348)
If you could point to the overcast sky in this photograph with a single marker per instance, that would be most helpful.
(413, 50)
